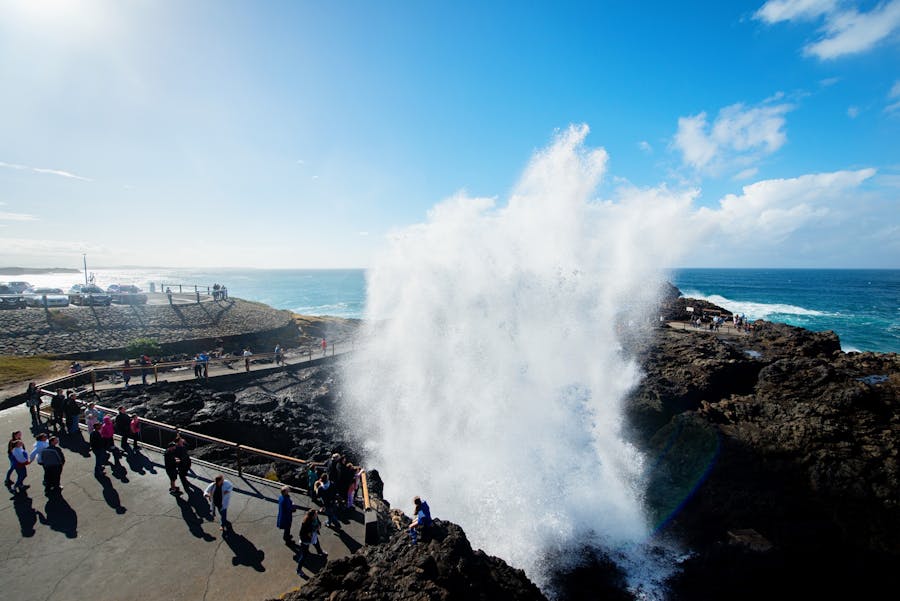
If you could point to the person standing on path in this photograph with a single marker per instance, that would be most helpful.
(33, 402)
(184, 462)
(72, 410)
(126, 372)
(106, 432)
(91, 417)
(13, 439)
(99, 447)
(41, 442)
(279, 355)
(324, 346)
(20, 456)
(123, 427)
(286, 509)
(204, 361)
(145, 363)
(58, 405)
(247, 355)
(219, 494)
(52, 459)
(309, 535)
(170, 461)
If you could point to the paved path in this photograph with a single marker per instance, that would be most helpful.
(124, 537)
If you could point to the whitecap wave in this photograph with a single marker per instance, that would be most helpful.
(756, 310)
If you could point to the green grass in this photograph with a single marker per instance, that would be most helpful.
(20, 369)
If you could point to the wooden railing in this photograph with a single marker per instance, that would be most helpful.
(149, 426)
(114, 373)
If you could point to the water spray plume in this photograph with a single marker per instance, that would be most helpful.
(493, 371)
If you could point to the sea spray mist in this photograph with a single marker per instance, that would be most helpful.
(492, 372)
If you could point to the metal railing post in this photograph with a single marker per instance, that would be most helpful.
(240, 470)
(93, 381)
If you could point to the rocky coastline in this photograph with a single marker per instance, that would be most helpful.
(774, 453)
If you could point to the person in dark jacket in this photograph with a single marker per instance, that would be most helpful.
(58, 405)
(170, 461)
(33, 402)
(184, 462)
(98, 446)
(286, 509)
(72, 410)
(123, 427)
(52, 460)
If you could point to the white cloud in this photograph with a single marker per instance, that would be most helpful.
(739, 135)
(644, 145)
(853, 112)
(829, 81)
(300, 161)
(17, 217)
(894, 95)
(768, 211)
(775, 11)
(58, 172)
(746, 173)
(845, 30)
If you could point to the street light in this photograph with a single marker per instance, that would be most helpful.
(84, 257)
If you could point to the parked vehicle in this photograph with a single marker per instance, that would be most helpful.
(9, 299)
(127, 294)
(46, 297)
(19, 287)
(88, 294)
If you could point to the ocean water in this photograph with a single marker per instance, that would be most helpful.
(861, 305)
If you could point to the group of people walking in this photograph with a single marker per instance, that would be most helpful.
(45, 452)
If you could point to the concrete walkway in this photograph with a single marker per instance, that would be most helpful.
(124, 537)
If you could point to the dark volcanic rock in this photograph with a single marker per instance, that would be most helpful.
(443, 567)
(289, 412)
(775, 460)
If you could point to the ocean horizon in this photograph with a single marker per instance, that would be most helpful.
(861, 305)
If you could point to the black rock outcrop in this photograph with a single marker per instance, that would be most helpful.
(444, 566)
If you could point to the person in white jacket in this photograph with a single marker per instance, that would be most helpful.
(219, 494)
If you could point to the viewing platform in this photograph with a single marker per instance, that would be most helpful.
(124, 536)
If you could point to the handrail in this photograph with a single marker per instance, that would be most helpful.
(136, 369)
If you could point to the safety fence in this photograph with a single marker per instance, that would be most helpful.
(111, 375)
(157, 435)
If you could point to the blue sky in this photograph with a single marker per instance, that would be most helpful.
(298, 134)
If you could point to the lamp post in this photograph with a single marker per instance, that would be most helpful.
(84, 257)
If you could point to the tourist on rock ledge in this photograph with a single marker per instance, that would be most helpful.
(422, 521)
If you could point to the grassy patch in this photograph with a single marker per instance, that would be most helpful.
(19, 369)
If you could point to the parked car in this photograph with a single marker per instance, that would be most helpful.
(9, 299)
(19, 287)
(46, 297)
(127, 294)
(88, 294)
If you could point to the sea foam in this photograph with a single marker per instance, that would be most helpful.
(492, 371)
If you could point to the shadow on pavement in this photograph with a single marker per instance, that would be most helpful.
(110, 494)
(193, 521)
(60, 516)
(26, 513)
(245, 552)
